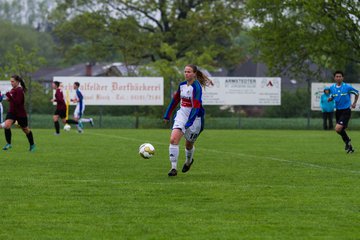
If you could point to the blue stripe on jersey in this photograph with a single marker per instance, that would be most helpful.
(197, 110)
(80, 102)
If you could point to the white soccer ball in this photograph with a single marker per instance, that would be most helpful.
(67, 127)
(146, 150)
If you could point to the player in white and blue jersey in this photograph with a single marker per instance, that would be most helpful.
(341, 92)
(189, 119)
(80, 108)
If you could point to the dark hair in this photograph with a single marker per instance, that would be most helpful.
(57, 83)
(77, 84)
(20, 80)
(339, 72)
(200, 76)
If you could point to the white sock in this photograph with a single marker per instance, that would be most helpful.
(2, 125)
(174, 154)
(189, 155)
(85, 120)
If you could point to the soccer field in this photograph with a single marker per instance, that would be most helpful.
(244, 184)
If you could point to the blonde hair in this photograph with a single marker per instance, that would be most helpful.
(200, 76)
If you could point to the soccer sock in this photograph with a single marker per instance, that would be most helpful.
(344, 136)
(85, 120)
(30, 138)
(174, 154)
(71, 121)
(8, 135)
(57, 127)
(189, 155)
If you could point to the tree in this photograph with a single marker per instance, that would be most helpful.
(25, 36)
(23, 63)
(291, 35)
(172, 31)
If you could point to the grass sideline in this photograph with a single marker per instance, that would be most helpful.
(245, 184)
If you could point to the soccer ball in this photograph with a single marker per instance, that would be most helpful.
(67, 127)
(146, 150)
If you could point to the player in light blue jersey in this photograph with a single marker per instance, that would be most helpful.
(341, 92)
(189, 120)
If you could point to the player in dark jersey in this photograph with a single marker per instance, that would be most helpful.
(60, 111)
(16, 112)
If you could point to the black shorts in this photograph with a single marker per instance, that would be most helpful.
(61, 113)
(22, 121)
(343, 116)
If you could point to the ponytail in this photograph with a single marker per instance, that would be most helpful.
(204, 80)
(21, 81)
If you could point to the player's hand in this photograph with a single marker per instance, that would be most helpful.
(166, 121)
(52, 100)
(353, 105)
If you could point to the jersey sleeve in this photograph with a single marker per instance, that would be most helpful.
(174, 102)
(352, 90)
(196, 101)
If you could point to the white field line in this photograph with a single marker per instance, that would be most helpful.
(299, 163)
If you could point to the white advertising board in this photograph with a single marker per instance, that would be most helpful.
(263, 91)
(317, 89)
(116, 90)
(5, 86)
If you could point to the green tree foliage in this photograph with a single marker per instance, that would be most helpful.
(33, 13)
(293, 104)
(25, 36)
(294, 33)
(23, 63)
(169, 31)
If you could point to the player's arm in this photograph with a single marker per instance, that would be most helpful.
(174, 102)
(356, 93)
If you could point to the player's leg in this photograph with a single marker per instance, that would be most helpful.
(342, 122)
(23, 122)
(331, 116)
(175, 138)
(56, 123)
(7, 130)
(191, 134)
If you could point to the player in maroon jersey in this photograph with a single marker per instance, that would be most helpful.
(60, 111)
(16, 112)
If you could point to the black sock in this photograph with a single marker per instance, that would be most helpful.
(8, 135)
(344, 136)
(71, 121)
(57, 127)
(30, 138)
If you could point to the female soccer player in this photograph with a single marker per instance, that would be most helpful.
(80, 107)
(60, 111)
(340, 93)
(16, 112)
(189, 120)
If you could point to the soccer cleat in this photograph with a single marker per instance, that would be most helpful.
(32, 148)
(56, 134)
(187, 167)
(172, 173)
(7, 146)
(91, 122)
(80, 130)
(350, 149)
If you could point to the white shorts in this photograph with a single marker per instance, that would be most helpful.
(192, 133)
(77, 113)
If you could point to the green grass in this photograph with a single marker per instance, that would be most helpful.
(245, 184)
